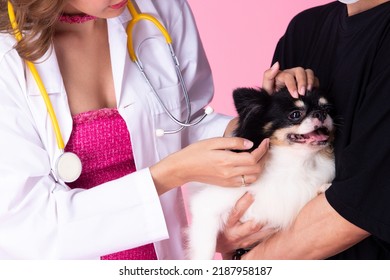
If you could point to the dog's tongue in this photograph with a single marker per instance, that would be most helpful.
(316, 136)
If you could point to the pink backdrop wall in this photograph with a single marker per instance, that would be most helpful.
(240, 37)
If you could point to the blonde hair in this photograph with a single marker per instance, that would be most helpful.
(36, 20)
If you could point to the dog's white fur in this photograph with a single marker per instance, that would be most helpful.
(293, 175)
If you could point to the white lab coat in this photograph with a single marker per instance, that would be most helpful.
(44, 219)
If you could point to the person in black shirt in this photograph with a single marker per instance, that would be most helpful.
(348, 49)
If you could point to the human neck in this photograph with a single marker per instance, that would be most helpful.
(363, 5)
(76, 19)
(72, 19)
(84, 28)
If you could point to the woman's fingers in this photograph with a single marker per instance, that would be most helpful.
(294, 79)
(239, 209)
(269, 78)
(261, 150)
(297, 80)
(252, 158)
(235, 232)
(312, 80)
(239, 234)
(227, 143)
(247, 167)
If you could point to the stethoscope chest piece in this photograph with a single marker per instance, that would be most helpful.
(68, 167)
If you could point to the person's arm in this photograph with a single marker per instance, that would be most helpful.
(210, 161)
(317, 233)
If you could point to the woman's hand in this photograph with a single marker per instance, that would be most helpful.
(211, 161)
(297, 80)
(237, 234)
(232, 125)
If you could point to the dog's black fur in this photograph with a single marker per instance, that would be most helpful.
(261, 114)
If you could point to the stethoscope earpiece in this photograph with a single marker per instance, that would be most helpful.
(68, 167)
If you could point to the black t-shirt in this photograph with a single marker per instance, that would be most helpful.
(351, 58)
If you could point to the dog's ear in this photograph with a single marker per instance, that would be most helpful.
(251, 104)
(248, 100)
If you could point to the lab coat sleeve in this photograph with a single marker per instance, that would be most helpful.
(41, 219)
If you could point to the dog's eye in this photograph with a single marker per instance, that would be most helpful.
(295, 115)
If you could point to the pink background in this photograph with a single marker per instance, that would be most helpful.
(239, 37)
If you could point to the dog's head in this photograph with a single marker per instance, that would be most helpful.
(304, 122)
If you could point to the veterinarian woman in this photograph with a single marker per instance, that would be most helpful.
(126, 196)
(348, 48)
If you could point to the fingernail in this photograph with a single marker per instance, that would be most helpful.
(248, 144)
(255, 227)
(309, 87)
(295, 94)
(250, 196)
(302, 91)
(275, 65)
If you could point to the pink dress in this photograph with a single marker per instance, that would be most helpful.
(101, 140)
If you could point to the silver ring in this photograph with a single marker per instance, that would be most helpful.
(243, 180)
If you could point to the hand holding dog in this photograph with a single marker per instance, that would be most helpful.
(211, 161)
(239, 234)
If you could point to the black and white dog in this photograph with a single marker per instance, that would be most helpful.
(299, 165)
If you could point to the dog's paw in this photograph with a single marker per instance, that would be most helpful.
(323, 188)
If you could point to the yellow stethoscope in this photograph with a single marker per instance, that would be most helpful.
(68, 165)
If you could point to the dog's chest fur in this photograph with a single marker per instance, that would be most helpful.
(288, 181)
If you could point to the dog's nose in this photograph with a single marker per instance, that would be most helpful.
(320, 114)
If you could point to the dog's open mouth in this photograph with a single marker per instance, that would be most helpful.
(319, 136)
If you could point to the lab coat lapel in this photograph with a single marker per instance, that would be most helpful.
(50, 74)
(118, 50)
